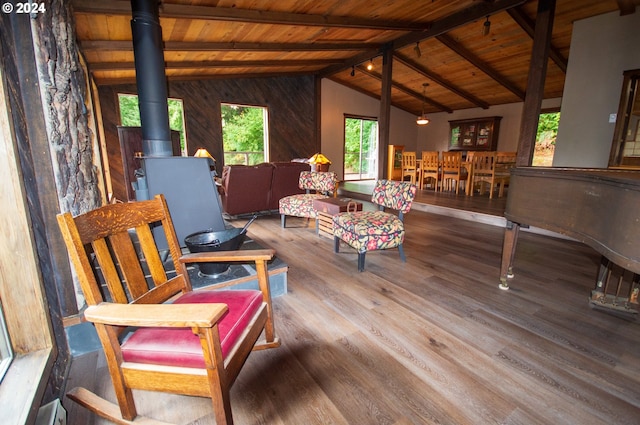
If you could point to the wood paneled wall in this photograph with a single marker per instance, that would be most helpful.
(290, 102)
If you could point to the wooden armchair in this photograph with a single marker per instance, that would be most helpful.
(183, 341)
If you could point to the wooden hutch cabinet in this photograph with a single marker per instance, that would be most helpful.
(394, 162)
(477, 134)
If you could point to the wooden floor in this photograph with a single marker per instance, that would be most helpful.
(429, 341)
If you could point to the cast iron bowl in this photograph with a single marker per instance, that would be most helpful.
(211, 241)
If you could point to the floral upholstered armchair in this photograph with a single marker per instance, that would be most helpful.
(374, 230)
(317, 185)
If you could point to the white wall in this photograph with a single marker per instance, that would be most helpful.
(602, 48)
(337, 100)
(435, 135)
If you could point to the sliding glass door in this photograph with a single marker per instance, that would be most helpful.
(360, 148)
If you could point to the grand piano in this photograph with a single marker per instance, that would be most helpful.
(599, 207)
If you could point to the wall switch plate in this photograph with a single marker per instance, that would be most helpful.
(612, 118)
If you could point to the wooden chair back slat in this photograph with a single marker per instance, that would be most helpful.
(109, 271)
(151, 254)
(129, 264)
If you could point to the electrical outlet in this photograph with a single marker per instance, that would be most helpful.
(612, 118)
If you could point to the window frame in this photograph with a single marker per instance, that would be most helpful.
(31, 335)
(265, 136)
(374, 152)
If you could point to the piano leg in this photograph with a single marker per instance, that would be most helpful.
(508, 252)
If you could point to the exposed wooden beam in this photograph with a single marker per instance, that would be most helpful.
(535, 82)
(441, 26)
(471, 14)
(173, 78)
(481, 65)
(124, 66)
(232, 14)
(175, 46)
(406, 90)
(406, 61)
(384, 120)
(529, 27)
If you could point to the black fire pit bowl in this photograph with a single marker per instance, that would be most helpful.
(211, 241)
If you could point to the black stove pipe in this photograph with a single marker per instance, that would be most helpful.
(150, 78)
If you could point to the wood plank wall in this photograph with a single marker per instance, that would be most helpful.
(290, 101)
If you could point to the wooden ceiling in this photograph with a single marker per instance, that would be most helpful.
(438, 42)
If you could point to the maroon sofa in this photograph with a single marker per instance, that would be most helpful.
(257, 189)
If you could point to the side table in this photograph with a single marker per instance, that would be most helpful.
(328, 207)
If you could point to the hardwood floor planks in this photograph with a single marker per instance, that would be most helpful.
(432, 340)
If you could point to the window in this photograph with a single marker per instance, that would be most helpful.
(245, 137)
(546, 138)
(360, 148)
(130, 115)
(26, 319)
(6, 354)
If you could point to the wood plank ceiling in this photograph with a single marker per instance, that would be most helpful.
(438, 42)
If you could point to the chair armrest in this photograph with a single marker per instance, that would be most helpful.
(151, 315)
(229, 256)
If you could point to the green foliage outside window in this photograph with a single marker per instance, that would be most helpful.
(548, 127)
(130, 114)
(360, 137)
(546, 139)
(243, 134)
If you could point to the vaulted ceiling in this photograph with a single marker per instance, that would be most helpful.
(441, 43)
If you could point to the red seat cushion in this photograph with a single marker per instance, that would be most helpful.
(180, 346)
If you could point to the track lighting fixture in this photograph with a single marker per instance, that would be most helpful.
(370, 65)
(486, 27)
(353, 71)
(422, 119)
(417, 49)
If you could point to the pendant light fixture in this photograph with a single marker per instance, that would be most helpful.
(486, 27)
(422, 119)
(370, 65)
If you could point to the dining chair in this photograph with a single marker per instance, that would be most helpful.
(156, 332)
(430, 168)
(453, 170)
(409, 167)
(505, 161)
(375, 230)
(483, 172)
(317, 185)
